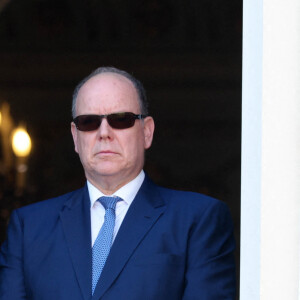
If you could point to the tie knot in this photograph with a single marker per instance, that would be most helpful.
(109, 202)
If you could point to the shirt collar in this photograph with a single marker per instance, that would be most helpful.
(126, 192)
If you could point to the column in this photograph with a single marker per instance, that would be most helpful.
(270, 191)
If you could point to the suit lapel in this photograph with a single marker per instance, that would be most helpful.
(144, 211)
(75, 218)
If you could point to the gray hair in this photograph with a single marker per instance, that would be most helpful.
(136, 83)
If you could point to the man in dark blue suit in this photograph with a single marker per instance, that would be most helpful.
(120, 236)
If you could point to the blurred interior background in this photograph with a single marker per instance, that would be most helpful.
(186, 52)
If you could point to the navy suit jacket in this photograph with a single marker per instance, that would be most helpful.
(171, 245)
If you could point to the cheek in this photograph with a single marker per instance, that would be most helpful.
(84, 146)
(135, 148)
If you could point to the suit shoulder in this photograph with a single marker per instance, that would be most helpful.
(49, 205)
(191, 208)
(190, 199)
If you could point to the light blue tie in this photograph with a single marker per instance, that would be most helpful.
(104, 239)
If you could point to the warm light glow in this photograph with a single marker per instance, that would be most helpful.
(21, 142)
(0, 118)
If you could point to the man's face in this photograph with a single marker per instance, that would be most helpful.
(111, 156)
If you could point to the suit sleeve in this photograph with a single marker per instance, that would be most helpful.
(11, 262)
(210, 272)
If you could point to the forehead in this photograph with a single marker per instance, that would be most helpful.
(107, 93)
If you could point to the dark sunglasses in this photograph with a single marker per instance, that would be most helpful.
(118, 121)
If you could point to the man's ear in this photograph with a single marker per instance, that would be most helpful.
(148, 131)
(74, 135)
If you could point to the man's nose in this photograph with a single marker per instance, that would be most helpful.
(104, 130)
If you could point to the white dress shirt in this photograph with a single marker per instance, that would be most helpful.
(126, 192)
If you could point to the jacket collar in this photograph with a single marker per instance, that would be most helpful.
(75, 218)
(144, 211)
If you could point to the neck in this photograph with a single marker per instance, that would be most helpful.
(108, 184)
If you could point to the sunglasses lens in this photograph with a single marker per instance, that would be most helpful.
(88, 122)
(121, 120)
(117, 121)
